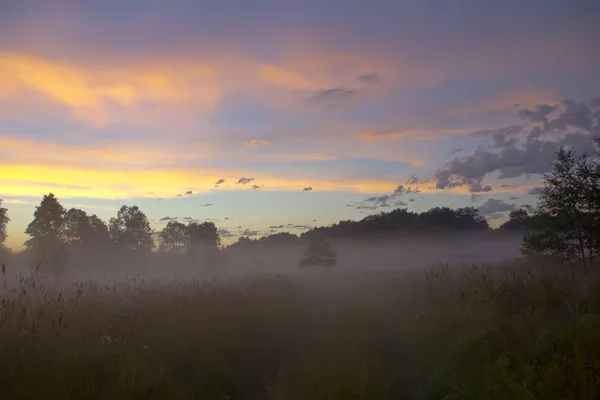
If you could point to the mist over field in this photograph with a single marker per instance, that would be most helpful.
(354, 257)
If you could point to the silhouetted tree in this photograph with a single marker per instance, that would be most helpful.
(131, 229)
(203, 234)
(569, 205)
(47, 228)
(243, 242)
(318, 253)
(81, 228)
(48, 236)
(174, 238)
(402, 221)
(4, 220)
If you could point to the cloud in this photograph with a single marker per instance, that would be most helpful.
(514, 198)
(276, 227)
(399, 190)
(284, 77)
(189, 192)
(456, 150)
(300, 226)
(219, 182)
(168, 219)
(256, 187)
(208, 205)
(540, 114)
(371, 79)
(475, 198)
(250, 233)
(512, 156)
(257, 143)
(224, 233)
(535, 191)
(413, 180)
(99, 93)
(307, 189)
(493, 206)
(331, 95)
(243, 180)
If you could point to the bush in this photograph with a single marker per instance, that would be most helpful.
(318, 253)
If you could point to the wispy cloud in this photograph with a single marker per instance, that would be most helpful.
(257, 143)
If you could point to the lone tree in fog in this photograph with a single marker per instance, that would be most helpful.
(569, 206)
(84, 229)
(131, 229)
(318, 253)
(3, 222)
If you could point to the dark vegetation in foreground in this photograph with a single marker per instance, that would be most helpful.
(519, 331)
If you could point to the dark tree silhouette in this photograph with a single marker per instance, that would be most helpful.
(568, 203)
(47, 228)
(203, 234)
(4, 220)
(81, 228)
(131, 229)
(48, 236)
(274, 240)
(174, 238)
(318, 253)
(402, 221)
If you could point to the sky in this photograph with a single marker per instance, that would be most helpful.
(271, 116)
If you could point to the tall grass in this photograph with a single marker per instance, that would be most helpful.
(519, 331)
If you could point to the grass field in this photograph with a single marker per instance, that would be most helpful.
(510, 331)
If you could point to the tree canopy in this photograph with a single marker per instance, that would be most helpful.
(4, 220)
(81, 228)
(569, 207)
(47, 227)
(177, 237)
(131, 229)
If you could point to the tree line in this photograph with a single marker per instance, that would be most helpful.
(565, 223)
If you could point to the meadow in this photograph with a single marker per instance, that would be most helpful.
(518, 330)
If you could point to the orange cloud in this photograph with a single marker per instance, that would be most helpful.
(91, 92)
(284, 77)
(413, 134)
(257, 142)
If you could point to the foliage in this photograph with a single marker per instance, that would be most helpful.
(174, 238)
(569, 205)
(47, 228)
(318, 253)
(180, 238)
(402, 221)
(47, 231)
(468, 332)
(273, 240)
(4, 220)
(81, 228)
(203, 234)
(131, 229)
